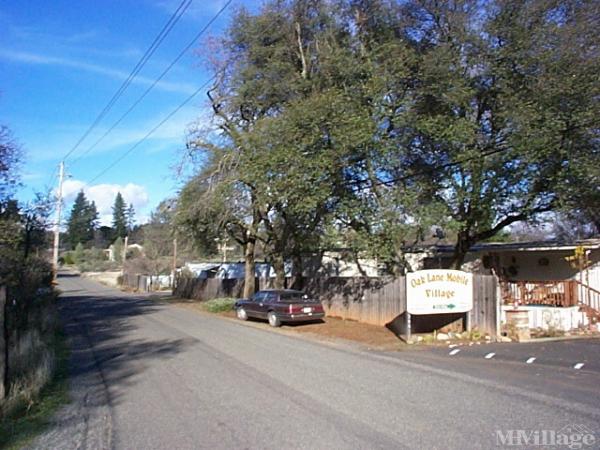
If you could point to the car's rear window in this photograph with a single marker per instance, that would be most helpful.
(291, 296)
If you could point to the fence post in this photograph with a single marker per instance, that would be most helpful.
(499, 301)
(3, 343)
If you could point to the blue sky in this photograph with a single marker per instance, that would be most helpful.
(61, 62)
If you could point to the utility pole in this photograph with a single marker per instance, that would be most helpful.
(222, 247)
(124, 255)
(59, 199)
(174, 262)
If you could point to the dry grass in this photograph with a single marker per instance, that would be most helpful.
(31, 406)
(36, 365)
(37, 369)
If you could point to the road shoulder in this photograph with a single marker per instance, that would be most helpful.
(85, 422)
(332, 331)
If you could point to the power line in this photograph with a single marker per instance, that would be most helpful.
(141, 63)
(52, 177)
(183, 6)
(426, 171)
(161, 76)
(156, 127)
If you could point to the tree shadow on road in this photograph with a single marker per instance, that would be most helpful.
(110, 346)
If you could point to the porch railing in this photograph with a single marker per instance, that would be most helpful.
(588, 296)
(550, 293)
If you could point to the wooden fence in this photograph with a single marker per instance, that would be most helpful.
(372, 300)
(144, 283)
(375, 301)
(485, 314)
(208, 288)
(136, 282)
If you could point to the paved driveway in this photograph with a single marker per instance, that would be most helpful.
(577, 354)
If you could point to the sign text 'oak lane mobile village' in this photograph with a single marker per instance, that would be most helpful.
(439, 291)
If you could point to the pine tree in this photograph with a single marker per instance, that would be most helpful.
(92, 216)
(82, 221)
(78, 254)
(130, 213)
(119, 221)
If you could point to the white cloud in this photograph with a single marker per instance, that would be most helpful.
(37, 59)
(104, 197)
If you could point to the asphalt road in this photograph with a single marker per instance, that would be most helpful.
(147, 375)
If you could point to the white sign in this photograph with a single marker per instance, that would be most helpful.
(439, 291)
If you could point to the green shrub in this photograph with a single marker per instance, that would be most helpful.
(68, 258)
(90, 260)
(429, 339)
(79, 254)
(95, 254)
(98, 266)
(475, 335)
(220, 304)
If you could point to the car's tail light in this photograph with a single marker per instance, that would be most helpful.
(293, 309)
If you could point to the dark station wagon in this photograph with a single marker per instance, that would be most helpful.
(278, 306)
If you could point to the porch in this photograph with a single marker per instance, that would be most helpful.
(556, 293)
(558, 304)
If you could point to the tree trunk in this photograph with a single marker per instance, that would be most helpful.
(279, 268)
(250, 272)
(27, 243)
(297, 282)
(463, 244)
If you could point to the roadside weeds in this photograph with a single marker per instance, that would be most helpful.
(28, 421)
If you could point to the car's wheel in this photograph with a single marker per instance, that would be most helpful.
(242, 314)
(274, 321)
